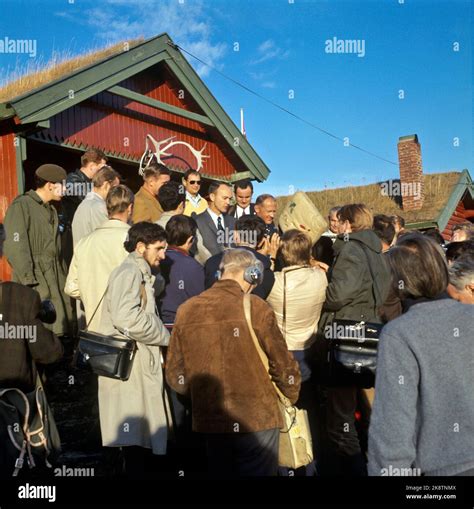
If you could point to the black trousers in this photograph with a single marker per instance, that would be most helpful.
(243, 454)
(342, 432)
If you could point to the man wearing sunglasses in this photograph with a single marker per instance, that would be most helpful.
(194, 201)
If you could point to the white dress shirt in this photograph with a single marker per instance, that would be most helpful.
(195, 200)
(214, 217)
(239, 211)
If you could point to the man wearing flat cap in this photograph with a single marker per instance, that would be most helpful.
(33, 244)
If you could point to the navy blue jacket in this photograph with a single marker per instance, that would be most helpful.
(263, 290)
(184, 278)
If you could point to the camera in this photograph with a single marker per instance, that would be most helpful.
(47, 312)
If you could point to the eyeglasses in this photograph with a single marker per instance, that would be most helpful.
(192, 182)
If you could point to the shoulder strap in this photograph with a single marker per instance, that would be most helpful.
(261, 353)
(98, 305)
(143, 299)
(25, 446)
(143, 296)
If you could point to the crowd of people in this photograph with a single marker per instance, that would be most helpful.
(169, 268)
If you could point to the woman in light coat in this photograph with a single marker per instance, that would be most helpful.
(297, 298)
(133, 412)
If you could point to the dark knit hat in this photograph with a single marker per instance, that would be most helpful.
(51, 173)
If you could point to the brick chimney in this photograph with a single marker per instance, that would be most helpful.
(411, 172)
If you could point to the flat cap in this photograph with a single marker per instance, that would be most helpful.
(51, 173)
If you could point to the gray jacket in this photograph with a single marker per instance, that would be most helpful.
(209, 233)
(423, 413)
(91, 213)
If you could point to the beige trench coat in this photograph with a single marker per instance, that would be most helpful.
(95, 257)
(133, 412)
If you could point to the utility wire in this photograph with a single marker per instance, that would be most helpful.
(276, 105)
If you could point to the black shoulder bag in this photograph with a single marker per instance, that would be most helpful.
(353, 351)
(107, 355)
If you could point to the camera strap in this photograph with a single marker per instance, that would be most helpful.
(143, 299)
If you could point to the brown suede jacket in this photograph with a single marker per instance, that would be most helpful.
(212, 357)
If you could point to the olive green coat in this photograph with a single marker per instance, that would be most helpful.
(351, 293)
(33, 249)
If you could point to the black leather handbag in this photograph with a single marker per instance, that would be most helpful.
(353, 347)
(107, 355)
(355, 344)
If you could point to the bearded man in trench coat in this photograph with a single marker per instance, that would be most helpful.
(133, 412)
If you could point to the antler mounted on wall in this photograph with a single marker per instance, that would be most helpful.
(158, 149)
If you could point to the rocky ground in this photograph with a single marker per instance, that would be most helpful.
(72, 393)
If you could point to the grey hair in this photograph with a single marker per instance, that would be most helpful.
(263, 197)
(334, 209)
(237, 260)
(461, 272)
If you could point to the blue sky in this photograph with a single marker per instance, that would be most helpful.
(409, 46)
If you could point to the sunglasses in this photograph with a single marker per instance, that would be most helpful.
(192, 182)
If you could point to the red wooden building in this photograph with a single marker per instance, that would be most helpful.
(113, 104)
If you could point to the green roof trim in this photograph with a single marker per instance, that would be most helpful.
(59, 95)
(20, 156)
(240, 176)
(159, 105)
(463, 184)
(6, 111)
(42, 103)
(422, 224)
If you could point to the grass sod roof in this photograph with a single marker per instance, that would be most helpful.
(22, 81)
(438, 187)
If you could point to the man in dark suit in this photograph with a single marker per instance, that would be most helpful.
(243, 190)
(215, 225)
(250, 235)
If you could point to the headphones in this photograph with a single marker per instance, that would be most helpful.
(252, 274)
